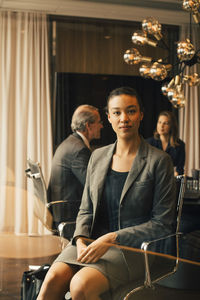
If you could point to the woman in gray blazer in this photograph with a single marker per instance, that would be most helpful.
(129, 197)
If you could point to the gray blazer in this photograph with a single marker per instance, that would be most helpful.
(147, 204)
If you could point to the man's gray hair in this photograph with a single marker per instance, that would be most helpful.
(82, 115)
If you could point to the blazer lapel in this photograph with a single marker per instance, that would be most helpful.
(101, 171)
(137, 166)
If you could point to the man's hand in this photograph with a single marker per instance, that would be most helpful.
(93, 252)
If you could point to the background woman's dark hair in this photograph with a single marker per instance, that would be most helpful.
(173, 134)
(125, 91)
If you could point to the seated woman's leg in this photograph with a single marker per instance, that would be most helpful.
(56, 283)
(88, 284)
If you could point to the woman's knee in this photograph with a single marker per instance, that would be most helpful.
(56, 282)
(87, 284)
(77, 288)
(59, 274)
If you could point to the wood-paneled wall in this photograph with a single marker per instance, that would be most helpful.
(97, 46)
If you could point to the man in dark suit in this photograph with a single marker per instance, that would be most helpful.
(69, 165)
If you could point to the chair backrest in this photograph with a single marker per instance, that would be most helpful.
(41, 210)
(170, 245)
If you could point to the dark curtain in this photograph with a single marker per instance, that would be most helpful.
(74, 89)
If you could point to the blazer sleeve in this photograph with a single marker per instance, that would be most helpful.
(85, 216)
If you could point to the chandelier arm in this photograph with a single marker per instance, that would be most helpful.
(173, 68)
(165, 46)
(180, 66)
(165, 60)
(182, 69)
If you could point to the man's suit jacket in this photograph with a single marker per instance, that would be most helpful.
(147, 204)
(68, 174)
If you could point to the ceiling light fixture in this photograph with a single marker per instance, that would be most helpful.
(159, 69)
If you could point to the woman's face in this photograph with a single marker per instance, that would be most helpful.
(163, 125)
(124, 115)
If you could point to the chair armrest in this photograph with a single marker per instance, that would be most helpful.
(29, 174)
(144, 247)
(49, 204)
(69, 223)
(146, 244)
(64, 210)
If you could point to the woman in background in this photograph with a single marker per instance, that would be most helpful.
(166, 138)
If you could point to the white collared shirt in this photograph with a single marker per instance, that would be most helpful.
(85, 140)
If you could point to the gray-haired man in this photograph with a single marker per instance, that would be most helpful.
(69, 165)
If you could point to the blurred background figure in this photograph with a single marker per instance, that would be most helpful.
(166, 138)
(69, 165)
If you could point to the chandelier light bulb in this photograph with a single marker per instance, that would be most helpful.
(185, 50)
(177, 80)
(191, 5)
(192, 80)
(171, 83)
(196, 17)
(159, 71)
(152, 26)
(186, 78)
(174, 102)
(181, 103)
(139, 37)
(145, 70)
(170, 93)
(178, 100)
(165, 89)
(133, 57)
(179, 88)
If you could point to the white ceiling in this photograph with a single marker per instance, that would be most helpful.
(166, 11)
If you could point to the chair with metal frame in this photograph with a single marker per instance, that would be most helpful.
(163, 265)
(43, 209)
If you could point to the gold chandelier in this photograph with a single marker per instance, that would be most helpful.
(158, 69)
